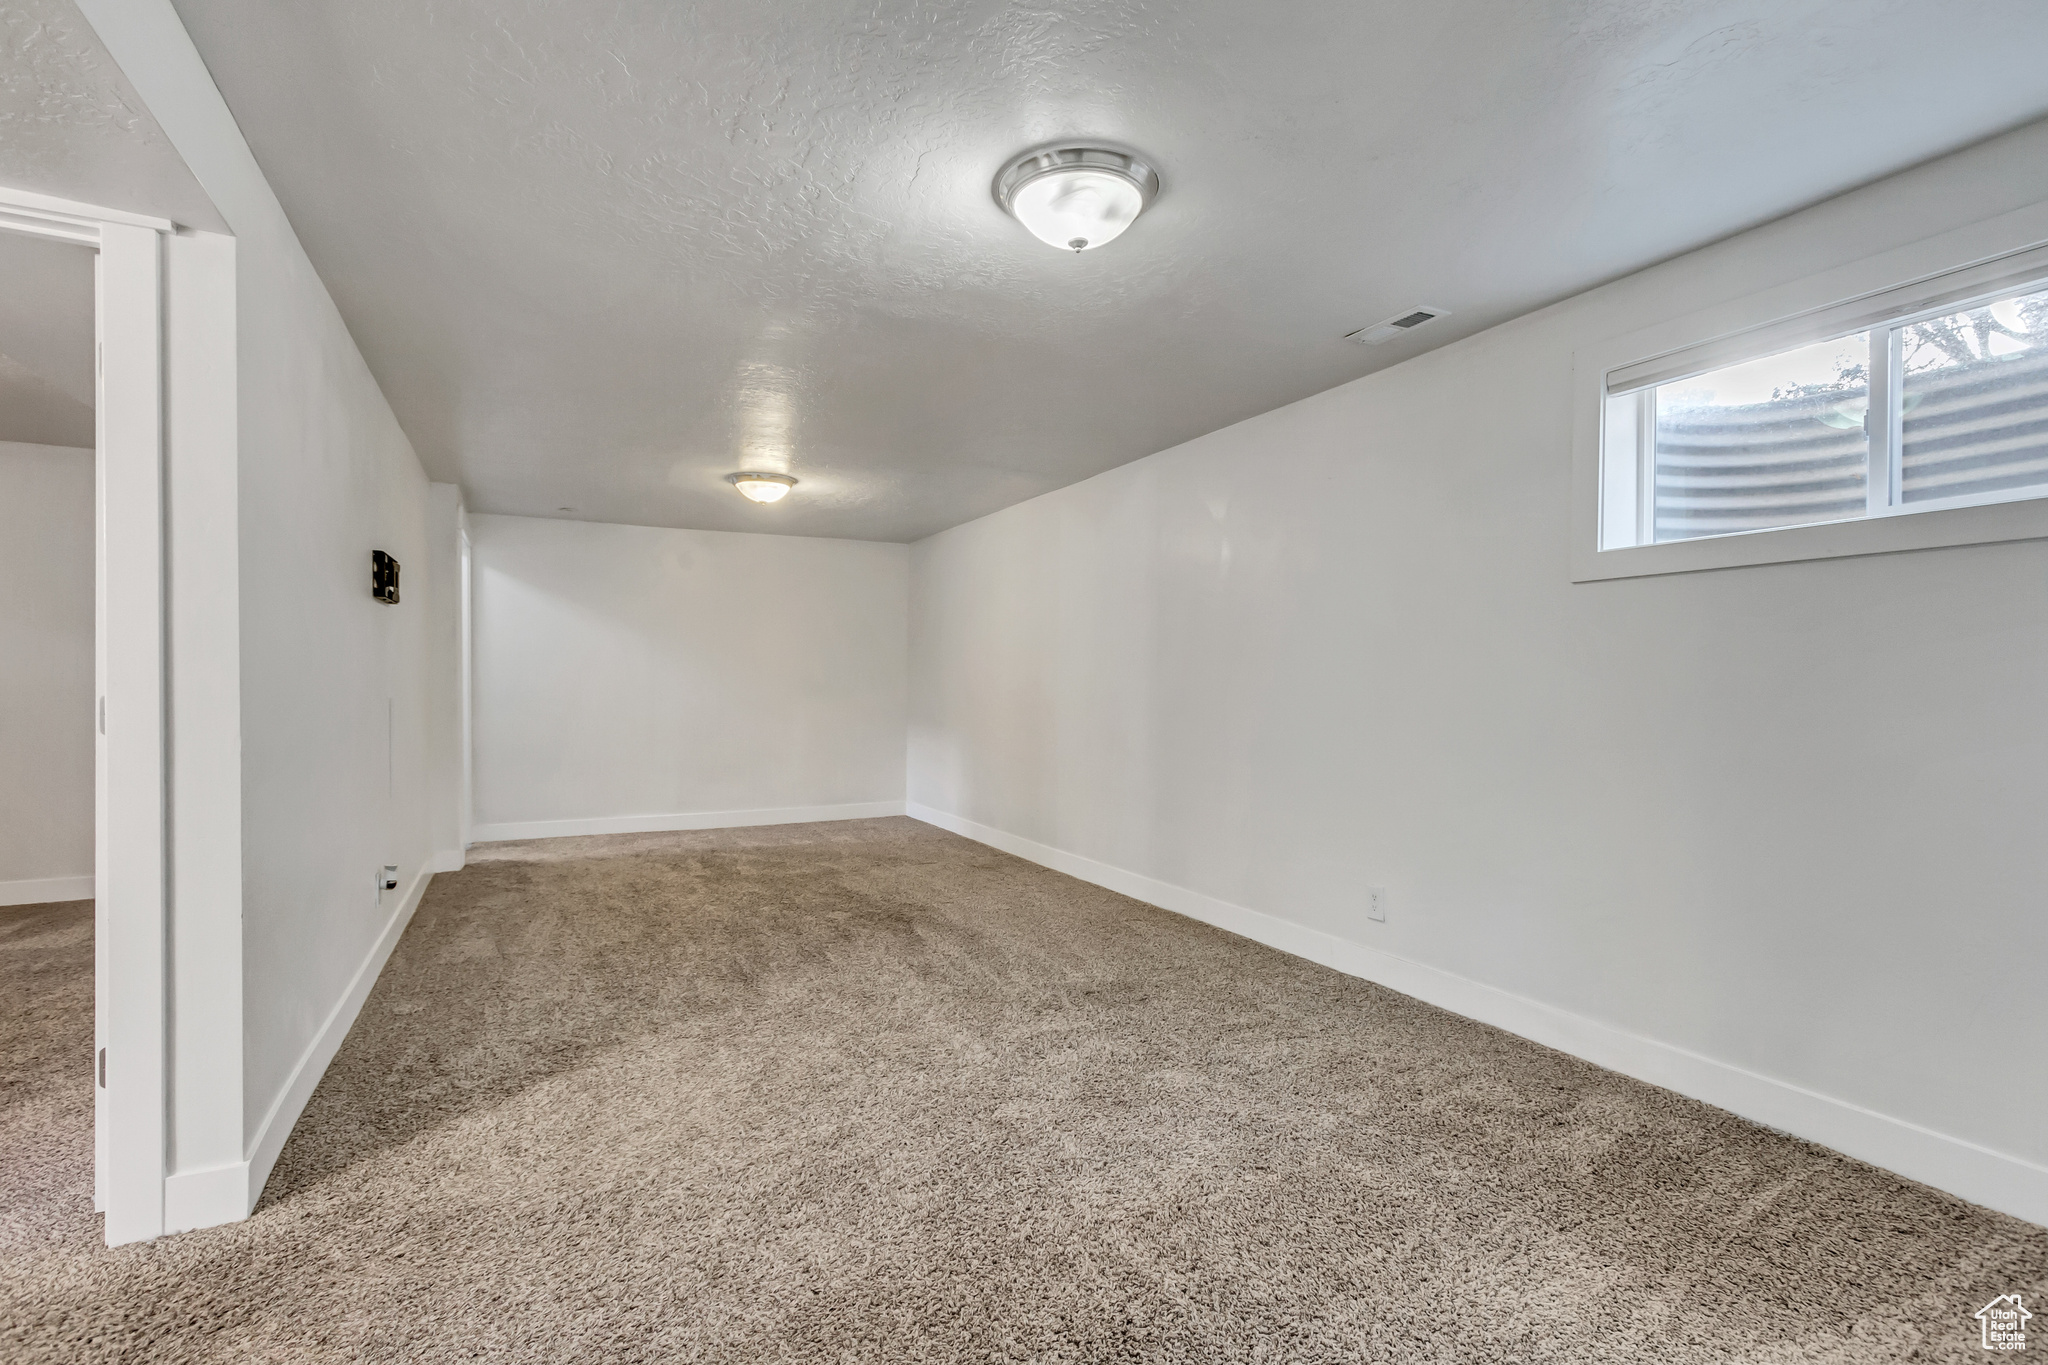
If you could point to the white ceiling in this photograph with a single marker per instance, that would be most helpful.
(601, 254)
(71, 125)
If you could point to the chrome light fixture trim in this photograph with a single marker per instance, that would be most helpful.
(1075, 161)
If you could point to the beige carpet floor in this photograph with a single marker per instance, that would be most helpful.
(871, 1092)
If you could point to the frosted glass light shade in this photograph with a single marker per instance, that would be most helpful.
(762, 487)
(1078, 208)
(1076, 198)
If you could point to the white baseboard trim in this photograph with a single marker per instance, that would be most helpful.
(39, 890)
(1996, 1180)
(208, 1198)
(291, 1101)
(709, 819)
(448, 860)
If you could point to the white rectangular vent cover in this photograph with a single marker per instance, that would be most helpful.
(1395, 326)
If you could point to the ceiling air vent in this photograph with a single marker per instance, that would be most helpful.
(1396, 326)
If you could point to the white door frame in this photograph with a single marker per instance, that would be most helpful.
(465, 810)
(130, 841)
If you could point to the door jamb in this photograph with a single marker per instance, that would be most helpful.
(131, 847)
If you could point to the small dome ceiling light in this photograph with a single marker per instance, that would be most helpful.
(762, 487)
(1076, 197)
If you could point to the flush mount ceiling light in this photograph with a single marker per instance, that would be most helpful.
(762, 487)
(1076, 197)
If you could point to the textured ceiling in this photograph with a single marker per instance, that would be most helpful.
(46, 338)
(601, 254)
(72, 126)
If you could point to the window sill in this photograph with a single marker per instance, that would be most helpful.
(1985, 524)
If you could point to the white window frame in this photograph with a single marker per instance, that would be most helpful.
(1999, 256)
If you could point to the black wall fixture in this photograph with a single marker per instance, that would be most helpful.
(383, 577)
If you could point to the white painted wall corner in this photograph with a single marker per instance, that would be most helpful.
(1996, 1180)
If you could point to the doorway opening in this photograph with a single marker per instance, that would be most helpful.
(93, 524)
(48, 698)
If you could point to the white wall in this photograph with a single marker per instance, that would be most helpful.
(46, 341)
(1771, 834)
(46, 673)
(335, 685)
(332, 688)
(632, 677)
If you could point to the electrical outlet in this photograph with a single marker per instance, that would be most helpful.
(1376, 903)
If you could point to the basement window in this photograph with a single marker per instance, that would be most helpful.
(1943, 407)
(1906, 418)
